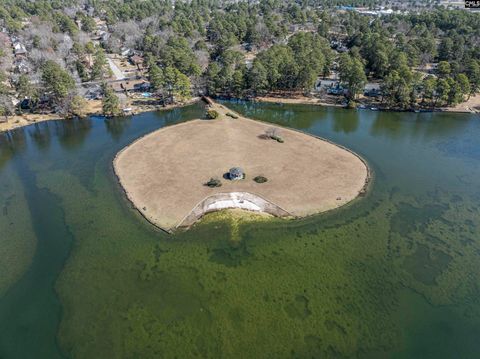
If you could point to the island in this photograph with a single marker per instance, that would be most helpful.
(177, 174)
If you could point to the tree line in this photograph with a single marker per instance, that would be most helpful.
(428, 57)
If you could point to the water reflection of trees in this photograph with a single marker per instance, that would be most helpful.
(346, 122)
(176, 115)
(12, 143)
(72, 133)
(298, 116)
(116, 126)
(41, 135)
(395, 125)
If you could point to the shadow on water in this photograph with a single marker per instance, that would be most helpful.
(30, 310)
(302, 117)
(72, 133)
(41, 135)
(116, 126)
(401, 125)
(345, 124)
(12, 143)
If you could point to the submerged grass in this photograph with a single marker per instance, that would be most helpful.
(394, 274)
(17, 238)
(239, 287)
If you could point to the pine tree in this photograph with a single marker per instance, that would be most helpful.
(110, 102)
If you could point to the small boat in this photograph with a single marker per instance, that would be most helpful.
(374, 108)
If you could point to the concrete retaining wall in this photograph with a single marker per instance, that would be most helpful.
(242, 200)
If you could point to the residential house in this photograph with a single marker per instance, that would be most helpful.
(126, 52)
(19, 49)
(136, 60)
(131, 85)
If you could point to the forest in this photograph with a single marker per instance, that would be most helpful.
(420, 53)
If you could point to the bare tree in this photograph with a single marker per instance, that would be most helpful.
(38, 35)
(64, 45)
(272, 132)
(70, 11)
(151, 21)
(114, 44)
(263, 34)
(6, 107)
(203, 59)
(6, 61)
(38, 57)
(83, 38)
(73, 105)
(129, 33)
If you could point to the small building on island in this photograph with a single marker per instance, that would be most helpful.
(236, 173)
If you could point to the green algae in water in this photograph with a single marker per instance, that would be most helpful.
(392, 275)
(17, 241)
(17, 238)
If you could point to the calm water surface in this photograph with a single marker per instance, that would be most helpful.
(394, 275)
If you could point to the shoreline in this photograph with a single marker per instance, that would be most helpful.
(195, 213)
(300, 100)
(94, 109)
(470, 106)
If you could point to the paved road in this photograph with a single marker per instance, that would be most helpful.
(119, 75)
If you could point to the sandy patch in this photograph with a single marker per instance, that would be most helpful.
(472, 105)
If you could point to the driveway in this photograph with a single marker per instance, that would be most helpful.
(119, 75)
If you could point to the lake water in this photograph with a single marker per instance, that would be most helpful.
(395, 274)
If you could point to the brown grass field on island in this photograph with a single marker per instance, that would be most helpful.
(164, 173)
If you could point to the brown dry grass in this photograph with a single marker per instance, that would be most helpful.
(164, 173)
(302, 100)
(24, 120)
(92, 107)
(472, 105)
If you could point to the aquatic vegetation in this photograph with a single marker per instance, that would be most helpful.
(394, 273)
(17, 241)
